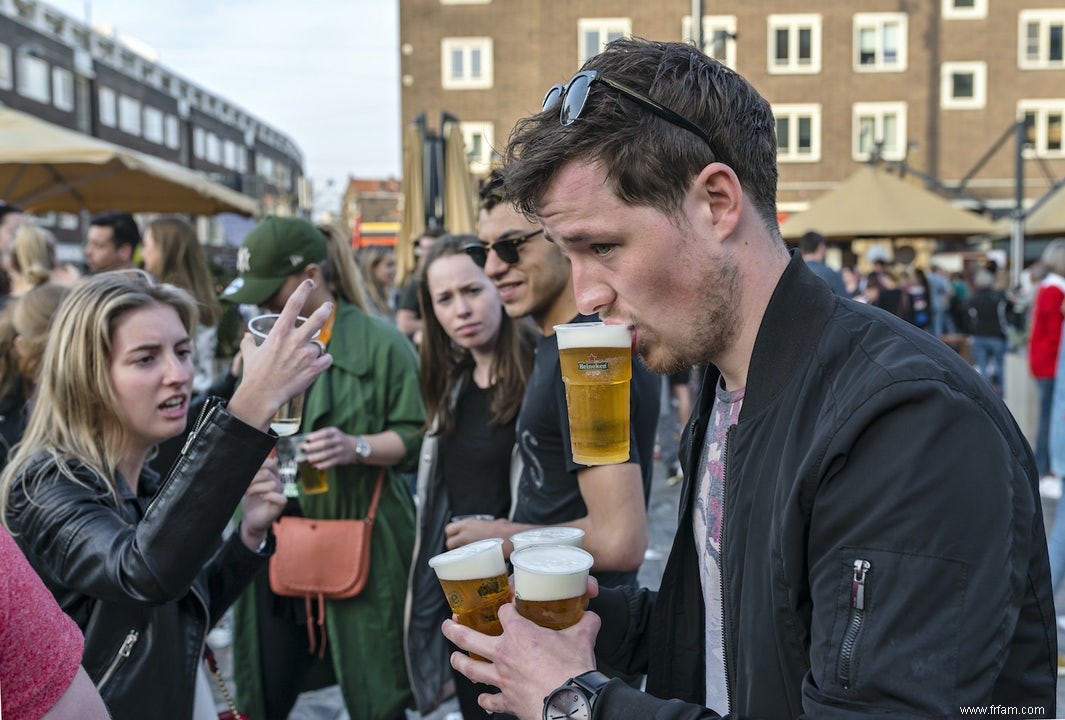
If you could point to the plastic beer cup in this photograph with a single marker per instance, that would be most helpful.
(555, 535)
(551, 584)
(312, 480)
(290, 414)
(596, 364)
(474, 579)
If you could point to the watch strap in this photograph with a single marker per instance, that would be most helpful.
(591, 682)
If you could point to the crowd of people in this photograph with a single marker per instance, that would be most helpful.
(860, 527)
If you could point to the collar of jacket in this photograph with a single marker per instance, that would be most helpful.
(350, 339)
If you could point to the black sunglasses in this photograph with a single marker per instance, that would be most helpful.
(506, 248)
(574, 96)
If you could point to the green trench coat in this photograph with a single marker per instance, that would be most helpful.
(371, 387)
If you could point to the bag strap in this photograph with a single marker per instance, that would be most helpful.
(212, 664)
(371, 513)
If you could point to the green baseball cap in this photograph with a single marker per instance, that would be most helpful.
(275, 249)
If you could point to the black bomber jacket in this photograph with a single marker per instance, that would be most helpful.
(883, 546)
(146, 579)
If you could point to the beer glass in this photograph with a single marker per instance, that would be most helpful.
(312, 480)
(596, 364)
(288, 417)
(474, 579)
(551, 584)
(548, 536)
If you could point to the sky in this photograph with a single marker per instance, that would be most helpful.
(323, 72)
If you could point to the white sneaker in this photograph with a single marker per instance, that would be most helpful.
(1050, 487)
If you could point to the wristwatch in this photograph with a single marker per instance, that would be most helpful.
(362, 449)
(575, 699)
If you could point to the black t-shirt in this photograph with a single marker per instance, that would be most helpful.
(408, 297)
(548, 492)
(475, 460)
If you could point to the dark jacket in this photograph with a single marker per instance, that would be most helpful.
(145, 579)
(860, 439)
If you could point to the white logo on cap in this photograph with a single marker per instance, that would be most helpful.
(244, 260)
(234, 286)
(296, 260)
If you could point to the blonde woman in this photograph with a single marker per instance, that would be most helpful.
(136, 561)
(379, 274)
(32, 262)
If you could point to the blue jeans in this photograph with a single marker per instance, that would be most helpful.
(1045, 386)
(989, 356)
(1056, 546)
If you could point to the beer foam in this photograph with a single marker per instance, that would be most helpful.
(550, 572)
(592, 335)
(481, 559)
(547, 536)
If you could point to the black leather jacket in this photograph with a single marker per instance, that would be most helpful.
(145, 579)
(860, 439)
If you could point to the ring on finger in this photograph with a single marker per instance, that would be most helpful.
(320, 345)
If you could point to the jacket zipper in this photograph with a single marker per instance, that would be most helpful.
(123, 653)
(854, 627)
(725, 617)
(205, 411)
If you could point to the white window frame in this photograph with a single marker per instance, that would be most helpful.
(713, 27)
(1044, 19)
(108, 104)
(199, 143)
(34, 78)
(62, 89)
(7, 68)
(153, 125)
(878, 22)
(213, 149)
(878, 111)
(486, 130)
(466, 45)
(951, 12)
(793, 23)
(947, 71)
(605, 27)
(172, 132)
(1043, 109)
(129, 115)
(793, 112)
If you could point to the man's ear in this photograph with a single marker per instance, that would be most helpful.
(125, 251)
(720, 194)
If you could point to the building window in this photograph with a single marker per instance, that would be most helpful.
(879, 125)
(798, 132)
(880, 42)
(6, 74)
(63, 89)
(129, 115)
(153, 125)
(108, 114)
(173, 132)
(466, 63)
(794, 43)
(594, 33)
(1042, 39)
(213, 152)
(1043, 126)
(719, 37)
(33, 80)
(479, 138)
(964, 9)
(199, 143)
(963, 85)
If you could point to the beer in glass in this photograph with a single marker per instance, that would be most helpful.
(596, 364)
(555, 535)
(312, 480)
(288, 417)
(474, 579)
(551, 584)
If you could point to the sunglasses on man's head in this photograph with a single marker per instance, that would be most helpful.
(506, 248)
(573, 97)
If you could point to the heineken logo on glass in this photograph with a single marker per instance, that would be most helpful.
(593, 363)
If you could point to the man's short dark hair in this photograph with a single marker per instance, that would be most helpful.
(810, 242)
(648, 160)
(492, 191)
(122, 225)
(6, 209)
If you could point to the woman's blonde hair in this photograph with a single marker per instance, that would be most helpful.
(32, 317)
(183, 263)
(33, 254)
(369, 258)
(76, 416)
(339, 271)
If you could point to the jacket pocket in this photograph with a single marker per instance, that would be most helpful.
(123, 653)
(853, 628)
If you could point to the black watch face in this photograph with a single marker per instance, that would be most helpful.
(567, 704)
